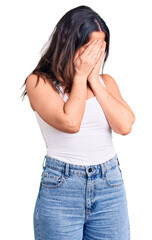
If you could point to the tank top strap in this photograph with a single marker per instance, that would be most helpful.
(61, 93)
(102, 81)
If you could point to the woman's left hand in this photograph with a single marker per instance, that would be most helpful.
(94, 75)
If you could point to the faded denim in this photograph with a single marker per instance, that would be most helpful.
(77, 202)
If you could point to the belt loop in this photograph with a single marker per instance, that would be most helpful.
(102, 169)
(66, 170)
(44, 160)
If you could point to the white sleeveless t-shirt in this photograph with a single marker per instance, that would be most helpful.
(92, 145)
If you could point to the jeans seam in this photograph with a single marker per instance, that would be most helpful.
(37, 218)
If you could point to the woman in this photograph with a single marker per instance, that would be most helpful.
(82, 193)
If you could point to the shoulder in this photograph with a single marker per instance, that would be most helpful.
(32, 80)
(35, 84)
(38, 89)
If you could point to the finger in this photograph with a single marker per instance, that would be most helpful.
(102, 49)
(100, 54)
(84, 48)
(88, 43)
(95, 49)
(92, 45)
(96, 52)
(89, 48)
(98, 58)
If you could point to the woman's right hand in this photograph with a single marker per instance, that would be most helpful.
(85, 61)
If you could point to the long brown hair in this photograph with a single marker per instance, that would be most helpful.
(71, 32)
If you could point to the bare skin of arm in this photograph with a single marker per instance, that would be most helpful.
(50, 106)
(65, 117)
(118, 113)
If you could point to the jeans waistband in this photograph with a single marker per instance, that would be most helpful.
(80, 169)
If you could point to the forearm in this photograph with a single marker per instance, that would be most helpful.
(75, 105)
(119, 117)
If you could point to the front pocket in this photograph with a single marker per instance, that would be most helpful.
(114, 177)
(51, 178)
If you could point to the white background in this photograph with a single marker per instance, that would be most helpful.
(25, 27)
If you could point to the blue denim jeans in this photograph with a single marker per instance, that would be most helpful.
(77, 202)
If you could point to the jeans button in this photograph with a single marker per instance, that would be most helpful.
(90, 169)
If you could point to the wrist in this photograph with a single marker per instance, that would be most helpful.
(80, 76)
(94, 82)
(94, 77)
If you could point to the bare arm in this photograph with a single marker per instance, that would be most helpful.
(75, 105)
(65, 117)
(118, 114)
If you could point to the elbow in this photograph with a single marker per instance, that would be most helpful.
(74, 128)
(128, 129)
(71, 125)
